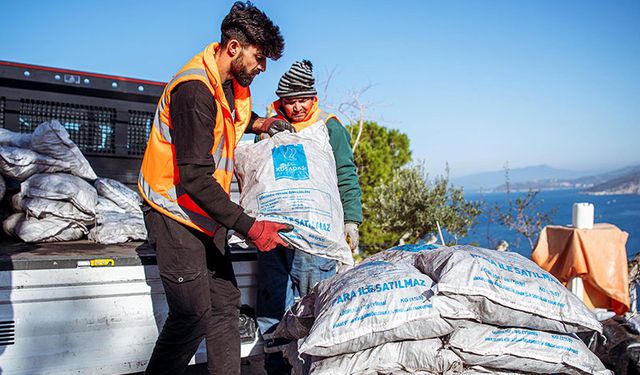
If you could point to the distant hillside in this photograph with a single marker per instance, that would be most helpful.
(607, 176)
(619, 181)
(628, 183)
(548, 184)
(493, 180)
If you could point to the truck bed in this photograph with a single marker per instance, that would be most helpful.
(61, 315)
(22, 256)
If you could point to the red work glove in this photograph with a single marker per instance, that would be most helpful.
(265, 234)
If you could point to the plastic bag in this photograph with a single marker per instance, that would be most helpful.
(393, 358)
(106, 205)
(48, 229)
(618, 347)
(291, 178)
(375, 303)
(479, 370)
(298, 319)
(22, 163)
(115, 227)
(506, 289)
(118, 193)
(62, 187)
(401, 253)
(16, 203)
(3, 187)
(9, 224)
(52, 139)
(13, 139)
(42, 207)
(524, 350)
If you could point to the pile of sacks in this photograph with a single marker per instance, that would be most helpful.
(56, 202)
(422, 309)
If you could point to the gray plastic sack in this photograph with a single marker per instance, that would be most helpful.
(401, 253)
(375, 303)
(298, 319)
(291, 178)
(3, 187)
(16, 203)
(506, 289)
(9, 224)
(106, 205)
(42, 207)
(525, 350)
(22, 163)
(480, 370)
(393, 358)
(62, 187)
(49, 229)
(118, 193)
(115, 227)
(300, 363)
(52, 139)
(13, 139)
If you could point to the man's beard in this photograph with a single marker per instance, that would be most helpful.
(240, 74)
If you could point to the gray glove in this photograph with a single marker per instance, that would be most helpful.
(275, 125)
(352, 236)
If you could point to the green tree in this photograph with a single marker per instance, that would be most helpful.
(409, 205)
(379, 152)
(398, 201)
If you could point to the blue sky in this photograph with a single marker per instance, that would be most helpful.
(473, 83)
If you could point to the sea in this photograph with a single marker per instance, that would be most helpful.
(620, 210)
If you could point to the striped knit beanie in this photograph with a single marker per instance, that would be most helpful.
(297, 81)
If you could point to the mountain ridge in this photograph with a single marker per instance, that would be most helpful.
(625, 180)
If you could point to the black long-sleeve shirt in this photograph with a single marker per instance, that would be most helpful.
(193, 114)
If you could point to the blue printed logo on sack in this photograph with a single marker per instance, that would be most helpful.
(290, 161)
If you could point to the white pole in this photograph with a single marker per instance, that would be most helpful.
(440, 233)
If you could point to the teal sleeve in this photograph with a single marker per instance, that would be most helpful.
(348, 184)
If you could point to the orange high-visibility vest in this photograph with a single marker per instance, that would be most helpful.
(159, 180)
(314, 115)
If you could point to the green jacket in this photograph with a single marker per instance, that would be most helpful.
(348, 184)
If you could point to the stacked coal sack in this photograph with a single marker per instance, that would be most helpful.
(52, 207)
(440, 310)
(380, 317)
(118, 215)
(57, 200)
(526, 320)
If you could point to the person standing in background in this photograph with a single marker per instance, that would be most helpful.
(284, 274)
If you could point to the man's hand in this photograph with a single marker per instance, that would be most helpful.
(352, 236)
(272, 126)
(265, 234)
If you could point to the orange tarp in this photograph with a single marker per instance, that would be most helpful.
(597, 255)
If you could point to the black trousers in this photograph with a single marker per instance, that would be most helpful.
(203, 299)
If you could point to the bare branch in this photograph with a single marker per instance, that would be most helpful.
(354, 108)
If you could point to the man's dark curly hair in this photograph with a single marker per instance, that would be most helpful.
(250, 26)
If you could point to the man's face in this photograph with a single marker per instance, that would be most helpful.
(247, 65)
(296, 109)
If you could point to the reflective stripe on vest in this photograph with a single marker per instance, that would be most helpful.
(179, 210)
